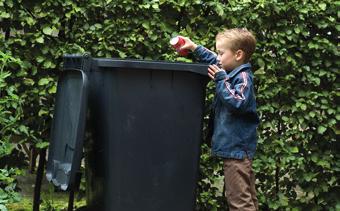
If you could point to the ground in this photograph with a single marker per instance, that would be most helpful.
(51, 200)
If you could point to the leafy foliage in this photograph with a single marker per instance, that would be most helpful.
(296, 65)
(10, 114)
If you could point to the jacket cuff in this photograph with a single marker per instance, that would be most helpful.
(220, 75)
(198, 51)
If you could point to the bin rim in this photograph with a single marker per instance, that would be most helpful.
(199, 68)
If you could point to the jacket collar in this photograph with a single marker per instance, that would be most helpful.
(238, 69)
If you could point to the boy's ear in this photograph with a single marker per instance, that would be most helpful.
(239, 55)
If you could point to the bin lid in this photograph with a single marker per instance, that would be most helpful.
(68, 128)
(199, 68)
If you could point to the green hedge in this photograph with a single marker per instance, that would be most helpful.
(11, 113)
(297, 164)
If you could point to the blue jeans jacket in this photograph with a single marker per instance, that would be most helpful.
(236, 119)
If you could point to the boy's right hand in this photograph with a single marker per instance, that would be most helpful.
(190, 45)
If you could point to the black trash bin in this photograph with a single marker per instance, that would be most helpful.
(145, 128)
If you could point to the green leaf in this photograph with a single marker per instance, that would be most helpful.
(30, 21)
(322, 6)
(40, 59)
(284, 118)
(321, 129)
(337, 117)
(312, 114)
(28, 82)
(338, 206)
(43, 81)
(40, 40)
(3, 207)
(23, 129)
(309, 176)
(122, 54)
(41, 145)
(260, 62)
(146, 25)
(283, 199)
(5, 15)
(219, 10)
(324, 163)
(47, 30)
(42, 112)
(294, 149)
(52, 90)
(48, 64)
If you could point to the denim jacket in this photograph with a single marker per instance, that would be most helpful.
(235, 119)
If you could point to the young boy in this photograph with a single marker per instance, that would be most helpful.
(234, 138)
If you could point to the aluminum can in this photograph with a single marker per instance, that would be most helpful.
(177, 42)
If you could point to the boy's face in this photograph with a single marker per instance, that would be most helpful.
(227, 58)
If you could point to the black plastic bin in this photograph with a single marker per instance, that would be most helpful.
(144, 133)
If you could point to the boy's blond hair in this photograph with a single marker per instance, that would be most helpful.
(238, 39)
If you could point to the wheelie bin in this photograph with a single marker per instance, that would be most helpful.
(143, 132)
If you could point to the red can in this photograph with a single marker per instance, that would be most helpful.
(177, 43)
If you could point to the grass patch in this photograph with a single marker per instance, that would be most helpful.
(51, 200)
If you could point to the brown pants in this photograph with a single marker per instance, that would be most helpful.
(240, 185)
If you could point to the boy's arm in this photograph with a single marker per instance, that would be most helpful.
(200, 52)
(205, 55)
(237, 97)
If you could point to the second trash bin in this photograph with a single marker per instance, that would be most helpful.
(145, 128)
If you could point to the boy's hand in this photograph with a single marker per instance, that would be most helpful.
(212, 70)
(190, 45)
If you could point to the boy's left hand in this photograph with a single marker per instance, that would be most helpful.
(212, 70)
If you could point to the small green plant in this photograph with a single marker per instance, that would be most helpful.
(57, 201)
(48, 203)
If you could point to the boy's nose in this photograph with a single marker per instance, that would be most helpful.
(219, 63)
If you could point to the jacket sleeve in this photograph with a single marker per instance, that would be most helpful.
(204, 55)
(235, 97)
